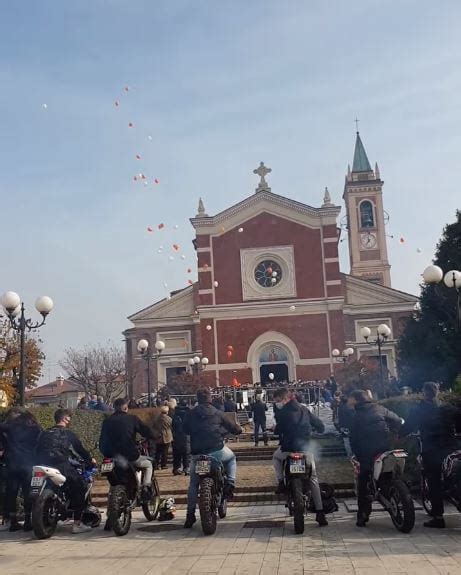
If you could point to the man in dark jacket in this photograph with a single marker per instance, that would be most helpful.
(370, 436)
(259, 409)
(437, 424)
(229, 405)
(181, 441)
(207, 427)
(54, 448)
(118, 438)
(295, 424)
(19, 435)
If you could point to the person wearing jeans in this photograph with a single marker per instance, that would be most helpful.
(227, 457)
(294, 428)
(207, 427)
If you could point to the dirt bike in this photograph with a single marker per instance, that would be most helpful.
(451, 481)
(387, 486)
(212, 492)
(51, 502)
(296, 476)
(125, 493)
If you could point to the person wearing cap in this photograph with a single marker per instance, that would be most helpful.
(437, 424)
(207, 427)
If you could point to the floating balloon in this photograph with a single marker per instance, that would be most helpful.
(205, 265)
(183, 257)
(149, 229)
(231, 347)
(274, 274)
(229, 354)
(269, 271)
(419, 250)
(135, 178)
(143, 177)
(165, 285)
(126, 88)
(240, 230)
(138, 157)
(208, 327)
(116, 104)
(176, 227)
(45, 106)
(171, 258)
(130, 124)
(189, 270)
(156, 181)
(215, 283)
(149, 138)
(292, 308)
(273, 280)
(145, 183)
(402, 240)
(161, 226)
(176, 247)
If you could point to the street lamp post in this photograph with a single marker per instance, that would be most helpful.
(383, 332)
(196, 364)
(143, 346)
(343, 355)
(452, 279)
(16, 315)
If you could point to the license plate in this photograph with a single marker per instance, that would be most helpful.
(297, 468)
(202, 467)
(37, 481)
(400, 454)
(107, 467)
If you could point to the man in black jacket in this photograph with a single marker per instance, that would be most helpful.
(294, 428)
(181, 441)
(370, 436)
(437, 424)
(207, 427)
(19, 434)
(259, 409)
(54, 448)
(118, 438)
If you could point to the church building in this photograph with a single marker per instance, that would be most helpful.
(270, 296)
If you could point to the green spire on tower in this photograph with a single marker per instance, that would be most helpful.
(360, 163)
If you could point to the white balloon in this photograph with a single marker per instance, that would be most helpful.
(292, 308)
(183, 257)
(240, 230)
(149, 138)
(176, 227)
(208, 327)
(171, 258)
(45, 106)
(215, 283)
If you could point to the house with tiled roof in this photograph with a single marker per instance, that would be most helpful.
(60, 392)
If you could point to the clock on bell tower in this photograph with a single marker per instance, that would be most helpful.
(365, 219)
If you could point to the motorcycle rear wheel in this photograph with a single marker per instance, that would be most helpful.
(152, 508)
(118, 511)
(296, 486)
(45, 515)
(402, 507)
(207, 506)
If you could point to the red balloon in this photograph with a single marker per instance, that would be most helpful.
(269, 271)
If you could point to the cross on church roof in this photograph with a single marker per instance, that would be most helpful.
(262, 171)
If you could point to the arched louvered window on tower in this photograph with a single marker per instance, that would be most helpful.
(367, 219)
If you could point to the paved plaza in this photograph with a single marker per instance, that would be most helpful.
(242, 547)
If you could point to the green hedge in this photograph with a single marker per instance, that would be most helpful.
(87, 423)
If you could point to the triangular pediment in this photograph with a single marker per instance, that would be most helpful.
(180, 305)
(359, 292)
(267, 202)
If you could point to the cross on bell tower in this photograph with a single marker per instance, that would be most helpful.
(262, 171)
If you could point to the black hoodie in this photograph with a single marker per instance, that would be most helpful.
(294, 426)
(207, 426)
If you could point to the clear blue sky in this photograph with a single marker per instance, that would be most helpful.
(219, 86)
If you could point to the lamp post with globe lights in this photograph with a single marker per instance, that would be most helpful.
(15, 311)
(383, 332)
(342, 355)
(143, 346)
(433, 275)
(196, 364)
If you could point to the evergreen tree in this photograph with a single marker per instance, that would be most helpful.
(430, 347)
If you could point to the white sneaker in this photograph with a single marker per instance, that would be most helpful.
(76, 529)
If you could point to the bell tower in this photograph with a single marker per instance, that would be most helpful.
(365, 219)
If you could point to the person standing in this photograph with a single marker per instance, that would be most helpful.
(165, 437)
(100, 405)
(229, 404)
(259, 409)
(181, 441)
(20, 436)
(370, 436)
(437, 424)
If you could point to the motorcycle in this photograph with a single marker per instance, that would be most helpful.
(387, 486)
(51, 502)
(212, 492)
(296, 475)
(451, 482)
(125, 493)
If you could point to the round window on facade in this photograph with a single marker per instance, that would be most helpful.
(268, 273)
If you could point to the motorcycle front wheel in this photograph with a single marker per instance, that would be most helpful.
(402, 509)
(118, 510)
(45, 514)
(296, 487)
(207, 506)
(152, 508)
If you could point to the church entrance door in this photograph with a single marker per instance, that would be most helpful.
(280, 371)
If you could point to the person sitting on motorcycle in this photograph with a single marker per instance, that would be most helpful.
(437, 424)
(20, 434)
(54, 448)
(207, 427)
(294, 428)
(369, 436)
(118, 438)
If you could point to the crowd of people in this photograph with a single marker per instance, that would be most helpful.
(202, 429)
